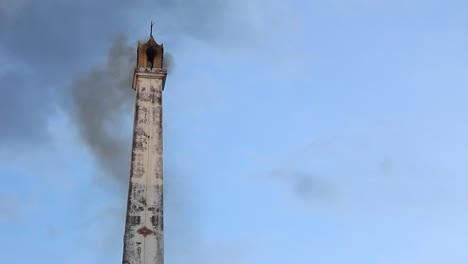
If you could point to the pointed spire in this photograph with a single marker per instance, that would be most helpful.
(151, 29)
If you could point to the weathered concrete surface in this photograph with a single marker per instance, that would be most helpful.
(144, 229)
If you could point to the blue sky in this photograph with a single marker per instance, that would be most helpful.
(295, 131)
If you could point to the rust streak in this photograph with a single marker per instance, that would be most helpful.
(144, 231)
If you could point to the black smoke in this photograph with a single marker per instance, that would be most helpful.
(100, 101)
(45, 46)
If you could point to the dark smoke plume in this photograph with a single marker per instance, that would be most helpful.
(99, 103)
(102, 106)
(45, 44)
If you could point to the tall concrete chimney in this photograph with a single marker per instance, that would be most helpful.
(144, 235)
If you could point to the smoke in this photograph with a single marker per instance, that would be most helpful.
(306, 187)
(44, 45)
(48, 45)
(99, 102)
(168, 62)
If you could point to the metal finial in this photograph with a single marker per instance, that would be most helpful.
(151, 30)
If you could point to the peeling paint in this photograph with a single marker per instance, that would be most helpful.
(143, 239)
